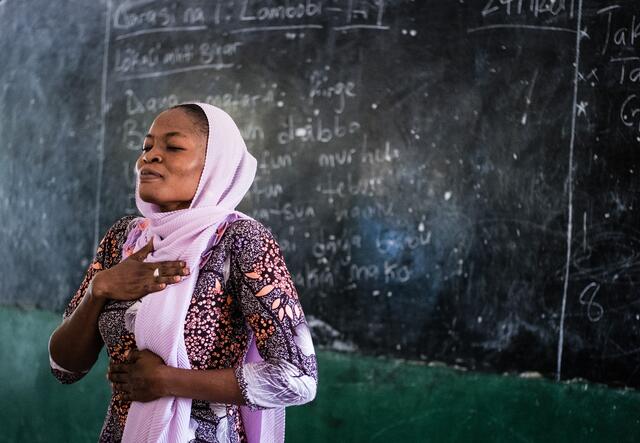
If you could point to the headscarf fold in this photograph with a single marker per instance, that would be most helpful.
(185, 234)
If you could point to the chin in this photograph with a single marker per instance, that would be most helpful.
(149, 196)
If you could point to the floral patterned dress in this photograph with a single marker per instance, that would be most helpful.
(243, 289)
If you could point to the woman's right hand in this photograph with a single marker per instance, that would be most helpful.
(132, 278)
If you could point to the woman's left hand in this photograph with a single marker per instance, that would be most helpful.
(139, 377)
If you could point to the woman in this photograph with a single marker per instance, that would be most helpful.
(205, 333)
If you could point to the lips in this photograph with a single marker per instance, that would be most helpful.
(149, 173)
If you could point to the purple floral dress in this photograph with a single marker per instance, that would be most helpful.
(243, 289)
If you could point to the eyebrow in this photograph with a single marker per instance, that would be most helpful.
(168, 134)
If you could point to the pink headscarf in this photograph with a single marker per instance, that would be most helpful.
(185, 234)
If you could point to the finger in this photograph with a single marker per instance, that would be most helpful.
(143, 252)
(146, 249)
(120, 387)
(129, 355)
(175, 269)
(117, 368)
(169, 268)
(118, 377)
(132, 356)
(171, 279)
(154, 287)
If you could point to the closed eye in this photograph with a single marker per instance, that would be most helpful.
(171, 148)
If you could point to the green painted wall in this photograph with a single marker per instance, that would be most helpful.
(359, 400)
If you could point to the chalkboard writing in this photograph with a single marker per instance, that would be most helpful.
(448, 181)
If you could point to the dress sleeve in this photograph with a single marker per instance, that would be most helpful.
(107, 254)
(288, 373)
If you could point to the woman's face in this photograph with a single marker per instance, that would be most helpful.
(172, 161)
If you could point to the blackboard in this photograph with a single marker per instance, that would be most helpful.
(50, 124)
(451, 181)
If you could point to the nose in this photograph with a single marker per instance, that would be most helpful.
(152, 155)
